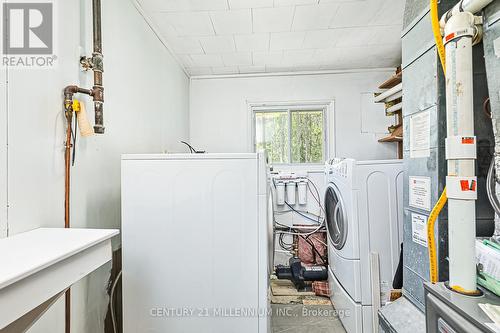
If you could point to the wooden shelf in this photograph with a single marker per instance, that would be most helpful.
(393, 107)
(396, 136)
(392, 82)
(392, 139)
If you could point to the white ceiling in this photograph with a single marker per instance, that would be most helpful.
(257, 36)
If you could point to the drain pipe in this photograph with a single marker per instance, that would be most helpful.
(461, 31)
(461, 182)
(471, 6)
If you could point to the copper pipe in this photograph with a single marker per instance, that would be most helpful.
(67, 182)
(67, 161)
(97, 93)
(67, 312)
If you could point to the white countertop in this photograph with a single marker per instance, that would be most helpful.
(27, 253)
(44, 262)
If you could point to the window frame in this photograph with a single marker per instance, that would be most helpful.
(325, 107)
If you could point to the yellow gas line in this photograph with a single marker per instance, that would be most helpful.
(436, 30)
(431, 240)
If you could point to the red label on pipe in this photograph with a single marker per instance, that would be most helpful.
(450, 36)
(467, 185)
(468, 141)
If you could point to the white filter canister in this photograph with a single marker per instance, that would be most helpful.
(280, 194)
(290, 192)
(302, 193)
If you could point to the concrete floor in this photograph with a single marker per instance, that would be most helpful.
(305, 319)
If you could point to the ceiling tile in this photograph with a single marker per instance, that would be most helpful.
(387, 34)
(338, 1)
(286, 40)
(281, 3)
(356, 57)
(206, 4)
(237, 59)
(183, 5)
(225, 70)
(188, 23)
(357, 36)
(238, 4)
(368, 13)
(253, 42)
(185, 45)
(252, 69)
(186, 60)
(314, 17)
(207, 60)
(360, 36)
(272, 19)
(279, 69)
(251, 36)
(306, 68)
(164, 28)
(218, 44)
(298, 57)
(199, 70)
(267, 58)
(319, 39)
(232, 21)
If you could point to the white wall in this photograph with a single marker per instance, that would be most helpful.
(220, 120)
(146, 110)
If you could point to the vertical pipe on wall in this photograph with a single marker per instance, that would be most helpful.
(461, 152)
(98, 68)
(67, 182)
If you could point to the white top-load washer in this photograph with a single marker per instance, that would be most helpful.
(364, 214)
(197, 234)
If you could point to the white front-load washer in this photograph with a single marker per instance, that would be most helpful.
(364, 214)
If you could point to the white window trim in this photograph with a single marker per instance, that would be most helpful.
(328, 108)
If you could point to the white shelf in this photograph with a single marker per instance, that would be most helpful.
(39, 265)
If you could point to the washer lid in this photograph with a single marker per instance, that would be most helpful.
(336, 217)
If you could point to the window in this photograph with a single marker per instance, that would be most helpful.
(291, 135)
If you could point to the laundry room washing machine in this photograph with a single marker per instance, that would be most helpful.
(197, 239)
(364, 215)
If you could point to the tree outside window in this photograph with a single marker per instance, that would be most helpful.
(291, 135)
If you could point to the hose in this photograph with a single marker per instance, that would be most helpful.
(491, 188)
(436, 29)
(111, 301)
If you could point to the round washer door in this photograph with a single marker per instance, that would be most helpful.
(270, 232)
(336, 217)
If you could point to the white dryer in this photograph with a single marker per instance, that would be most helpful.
(364, 215)
(197, 243)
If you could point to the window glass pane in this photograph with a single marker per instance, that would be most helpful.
(272, 135)
(307, 137)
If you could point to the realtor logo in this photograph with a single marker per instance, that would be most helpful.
(27, 28)
(28, 34)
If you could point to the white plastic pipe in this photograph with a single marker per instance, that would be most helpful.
(389, 93)
(471, 6)
(460, 151)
